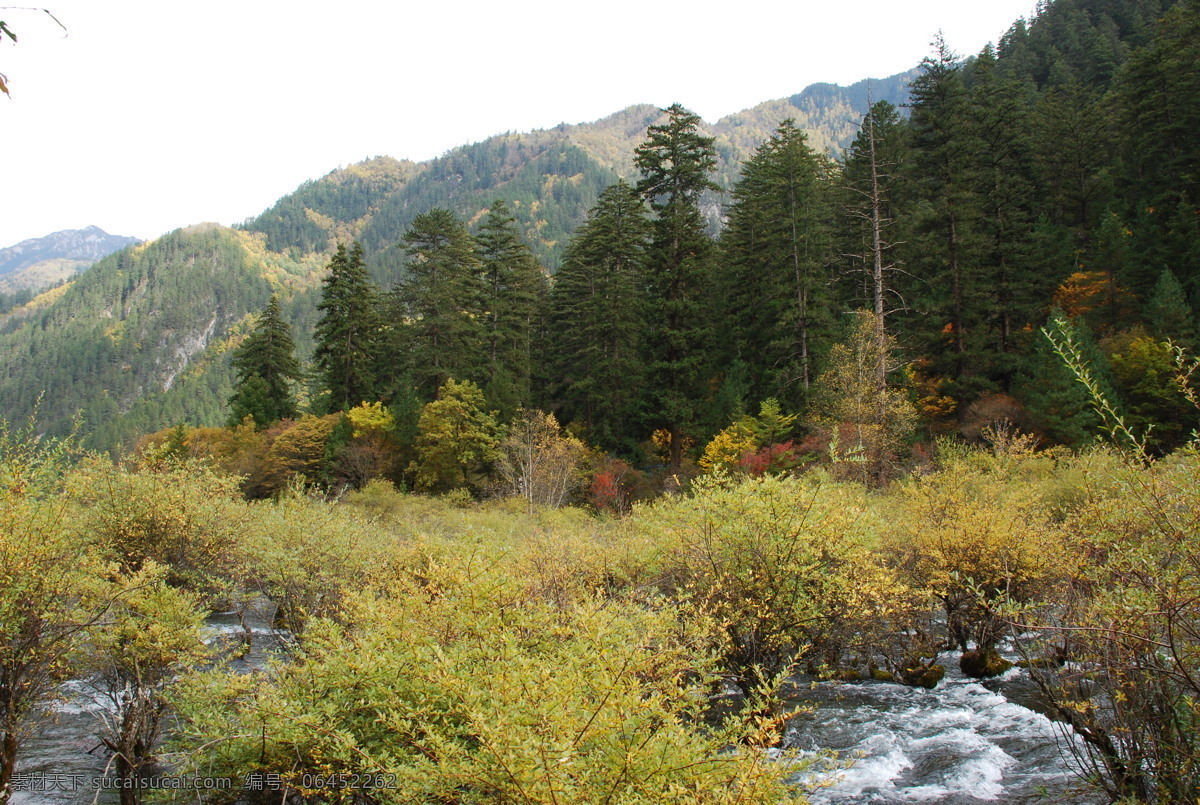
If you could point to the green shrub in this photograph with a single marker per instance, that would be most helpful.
(452, 692)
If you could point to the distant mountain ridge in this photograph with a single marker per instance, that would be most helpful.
(829, 113)
(550, 177)
(40, 262)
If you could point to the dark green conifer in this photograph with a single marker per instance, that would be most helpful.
(1168, 315)
(597, 312)
(441, 299)
(941, 249)
(1061, 406)
(1012, 293)
(1072, 141)
(777, 252)
(348, 335)
(676, 161)
(515, 297)
(266, 368)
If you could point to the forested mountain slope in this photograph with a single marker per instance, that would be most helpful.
(550, 178)
(1060, 168)
(139, 341)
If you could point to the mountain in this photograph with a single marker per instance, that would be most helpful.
(829, 113)
(141, 340)
(550, 177)
(41, 262)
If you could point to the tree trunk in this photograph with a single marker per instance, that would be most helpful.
(877, 267)
(8, 762)
(676, 448)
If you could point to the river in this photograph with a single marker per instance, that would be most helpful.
(962, 743)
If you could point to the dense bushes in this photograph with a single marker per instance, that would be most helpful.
(1129, 623)
(782, 563)
(495, 651)
(452, 690)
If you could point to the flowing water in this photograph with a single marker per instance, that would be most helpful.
(962, 743)
(64, 760)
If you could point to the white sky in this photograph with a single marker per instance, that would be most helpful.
(149, 115)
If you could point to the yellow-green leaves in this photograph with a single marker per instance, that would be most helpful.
(456, 439)
(454, 690)
(975, 534)
(782, 563)
(184, 517)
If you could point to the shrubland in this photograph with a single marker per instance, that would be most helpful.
(1123, 627)
(450, 649)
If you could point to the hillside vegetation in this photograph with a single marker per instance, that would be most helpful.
(1052, 176)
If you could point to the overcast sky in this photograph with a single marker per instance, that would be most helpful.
(144, 116)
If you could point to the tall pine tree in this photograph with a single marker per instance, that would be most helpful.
(442, 301)
(515, 297)
(347, 336)
(941, 249)
(1072, 141)
(778, 250)
(676, 162)
(597, 311)
(1159, 121)
(1012, 291)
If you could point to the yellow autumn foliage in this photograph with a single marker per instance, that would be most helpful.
(973, 533)
(726, 449)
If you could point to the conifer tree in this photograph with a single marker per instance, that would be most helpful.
(778, 250)
(347, 336)
(442, 299)
(1110, 262)
(515, 296)
(1159, 121)
(1012, 292)
(266, 368)
(1072, 141)
(1059, 403)
(1168, 314)
(597, 311)
(941, 249)
(676, 162)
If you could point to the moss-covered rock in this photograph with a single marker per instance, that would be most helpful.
(881, 675)
(983, 664)
(923, 676)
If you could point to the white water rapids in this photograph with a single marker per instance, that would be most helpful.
(964, 742)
